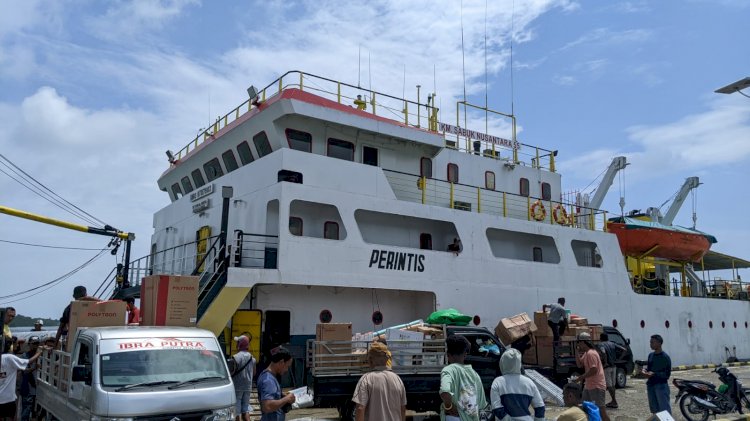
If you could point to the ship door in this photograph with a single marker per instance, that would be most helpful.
(246, 322)
(201, 245)
(276, 330)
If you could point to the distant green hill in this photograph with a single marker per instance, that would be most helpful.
(22, 320)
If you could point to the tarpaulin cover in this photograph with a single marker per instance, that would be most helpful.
(449, 316)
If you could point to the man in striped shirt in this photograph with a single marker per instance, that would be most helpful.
(513, 393)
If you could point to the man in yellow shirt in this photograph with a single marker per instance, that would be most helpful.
(572, 397)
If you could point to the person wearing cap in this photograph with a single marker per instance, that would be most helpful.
(79, 294)
(380, 393)
(9, 367)
(512, 394)
(594, 384)
(38, 326)
(242, 377)
(272, 400)
(28, 380)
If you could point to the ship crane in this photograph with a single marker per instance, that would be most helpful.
(107, 231)
(618, 163)
(682, 194)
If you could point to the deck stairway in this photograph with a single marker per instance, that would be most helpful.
(216, 302)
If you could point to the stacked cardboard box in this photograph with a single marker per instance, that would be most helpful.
(540, 320)
(334, 355)
(169, 300)
(542, 354)
(512, 328)
(94, 314)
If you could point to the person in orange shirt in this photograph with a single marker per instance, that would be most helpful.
(595, 385)
(134, 314)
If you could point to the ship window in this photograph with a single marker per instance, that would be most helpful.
(370, 156)
(298, 140)
(452, 173)
(230, 163)
(331, 230)
(213, 169)
(341, 149)
(295, 225)
(187, 187)
(524, 187)
(546, 191)
(587, 253)
(176, 192)
(246, 155)
(197, 178)
(489, 180)
(425, 241)
(425, 167)
(537, 254)
(262, 146)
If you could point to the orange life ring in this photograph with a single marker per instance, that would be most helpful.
(542, 212)
(560, 215)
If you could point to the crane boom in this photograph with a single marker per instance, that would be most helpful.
(689, 184)
(107, 230)
(618, 163)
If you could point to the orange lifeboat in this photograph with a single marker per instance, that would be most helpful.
(637, 237)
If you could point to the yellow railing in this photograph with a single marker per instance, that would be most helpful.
(401, 110)
(441, 193)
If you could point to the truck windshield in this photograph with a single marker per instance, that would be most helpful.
(164, 360)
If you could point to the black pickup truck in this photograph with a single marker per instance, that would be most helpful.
(334, 376)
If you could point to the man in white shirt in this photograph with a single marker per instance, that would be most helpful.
(557, 319)
(9, 367)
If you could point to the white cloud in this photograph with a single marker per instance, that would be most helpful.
(564, 80)
(124, 21)
(607, 37)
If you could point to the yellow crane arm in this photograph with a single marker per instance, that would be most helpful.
(107, 231)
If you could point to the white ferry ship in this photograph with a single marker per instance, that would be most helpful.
(339, 204)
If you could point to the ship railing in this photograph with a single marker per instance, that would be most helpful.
(255, 250)
(434, 192)
(506, 151)
(411, 113)
(727, 289)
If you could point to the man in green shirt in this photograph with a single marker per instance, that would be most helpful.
(461, 389)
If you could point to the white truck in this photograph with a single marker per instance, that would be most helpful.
(137, 373)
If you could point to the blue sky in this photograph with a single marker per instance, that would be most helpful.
(93, 93)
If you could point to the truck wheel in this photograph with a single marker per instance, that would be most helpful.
(346, 410)
(621, 378)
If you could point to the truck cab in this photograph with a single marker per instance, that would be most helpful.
(128, 373)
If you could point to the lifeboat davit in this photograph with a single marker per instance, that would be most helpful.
(636, 237)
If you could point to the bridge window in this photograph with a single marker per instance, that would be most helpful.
(546, 191)
(524, 187)
(370, 156)
(331, 230)
(452, 173)
(489, 180)
(341, 149)
(246, 155)
(230, 163)
(425, 241)
(425, 168)
(295, 225)
(176, 192)
(197, 178)
(298, 140)
(213, 169)
(516, 245)
(262, 146)
(186, 186)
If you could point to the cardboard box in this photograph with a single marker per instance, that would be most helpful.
(513, 328)
(580, 321)
(169, 300)
(596, 331)
(404, 345)
(334, 355)
(540, 320)
(544, 351)
(94, 314)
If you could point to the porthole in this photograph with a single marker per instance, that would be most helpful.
(735, 325)
(643, 324)
(477, 320)
(666, 324)
(723, 325)
(377, 318)
(690, 324)
(614, 323)
(710, 324)
(745, 325)
(325, 316)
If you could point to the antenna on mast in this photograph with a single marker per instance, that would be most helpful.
(359, 66)
(486, 102)
(512, 35)
(463, 59)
